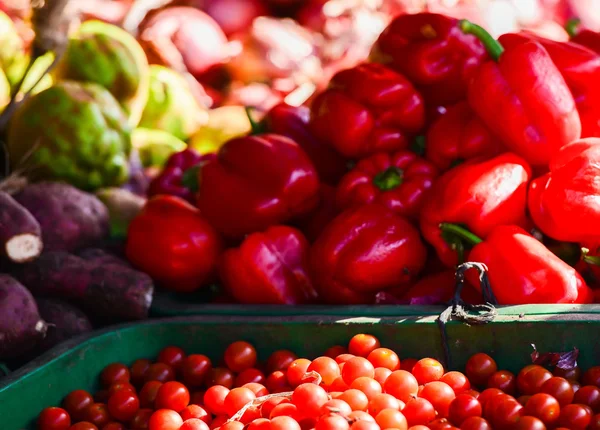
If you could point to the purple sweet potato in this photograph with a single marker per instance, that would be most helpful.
(100, 256)
(64, 322)
(20, 233)
(21, 327)
(107, 292)
(70, 219)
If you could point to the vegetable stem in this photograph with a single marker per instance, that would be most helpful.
(460, 232)
(572, 26)
(389, 179)
(493, 47)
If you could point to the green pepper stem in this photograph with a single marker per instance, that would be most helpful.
(589, 259)
(255, 126)
(389, 179)
(572, 26)
(190, 178)
(493, 47)
(418, 145)
(460, 232)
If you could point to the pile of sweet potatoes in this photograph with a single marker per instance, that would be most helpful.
(57, 278)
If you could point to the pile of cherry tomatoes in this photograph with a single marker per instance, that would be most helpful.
(359, 387)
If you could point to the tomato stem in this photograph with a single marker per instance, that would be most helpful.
(572, 26)
(389, 179)
(256, 127)
(589, 259)
(493, 47)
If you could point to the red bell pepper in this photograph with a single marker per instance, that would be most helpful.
(313, 223)
(523, 98)
(459, 135)
(269, 267)
(433, 52)
(399, 181)
(583, 36)
(363, 251)
(292, 122)
(170, 241)
(565, 203)
(579, 66)
(478, 194)
(256, 182)
(179, 176)
(367, 109)
(522, 270)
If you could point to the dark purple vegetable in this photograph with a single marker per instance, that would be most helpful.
(21, 327)
(100, 256)
(562, 360)
(107, 292)
(70, 218)
(64, 322)
(20, 233)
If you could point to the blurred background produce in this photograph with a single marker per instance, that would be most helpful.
(288, 152)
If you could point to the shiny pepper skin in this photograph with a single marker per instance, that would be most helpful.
(367, 109)
(399, 181)
(432, 52)
(363, 251)
(457, 136)
(170, 241)
(269, 267)
(171, 180)
(479, 194)
(522, 270)
(565, 202)
(256, 182)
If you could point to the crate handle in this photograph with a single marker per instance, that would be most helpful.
(465, 312)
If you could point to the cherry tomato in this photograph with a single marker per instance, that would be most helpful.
(97, 414)
(332, 422)
(336, 350)
(588, 395)
(479, 368)
(240, 356)
(76, 402)
(531, 378)
(365, 425)
(342, 358)
(172, 395)
(475, 423)
(83, 425)
(457, 381)
(221, 420)
(507, 413)
(571, 374)
(114, 426)
(367, 385)
(402, 385)
(391, 419)
(357, 400)
(268, 406)
(54, 419)
(194, 424)
(121, 386)
(259, 390)
(195, 411)
(277, 382)
(440, 395)
(247, 376)
(123, 405)
(172, 355)
(237, 399)
(148, 393)
(296, 371)
(503, 380)
(592, 376)
(487, 395)
(357, 367)
(220, 376)
(363, 344)
(427, 370)
(595, 423)
(384, 357)
(260, 424)
(361, 416)
(529, 423)
(383, 401)
(214, 399)
(336, 406)
(418, 411)
(233, 425)
(327, 368)
(309, 398)
(160, 372)
(338, 385)
(194, 369)
(115, 372)
(165, 419)
(284, 423)
(141, 419)
(138, 371)
(463, 407)
(381, 374)
(543, 406)
(575, 417)
(285, 410)
(560, 389)
(280, 360)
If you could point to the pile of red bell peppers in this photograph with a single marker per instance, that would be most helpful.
(447, 146)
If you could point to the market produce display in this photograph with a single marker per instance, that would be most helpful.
(359, 386)
(291, 152)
